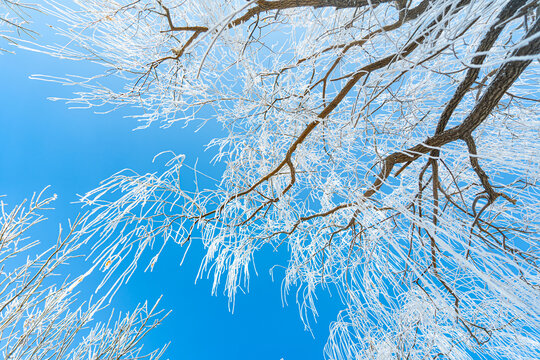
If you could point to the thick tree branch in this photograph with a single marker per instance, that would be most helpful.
(485, 45)
(505, 77)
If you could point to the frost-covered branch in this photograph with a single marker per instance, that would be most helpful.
(42, 319)
(14, 16)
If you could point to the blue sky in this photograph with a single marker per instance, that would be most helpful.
(44, 143)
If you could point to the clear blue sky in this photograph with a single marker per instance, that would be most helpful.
(43, 143)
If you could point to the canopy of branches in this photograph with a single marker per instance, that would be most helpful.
(390, 146)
